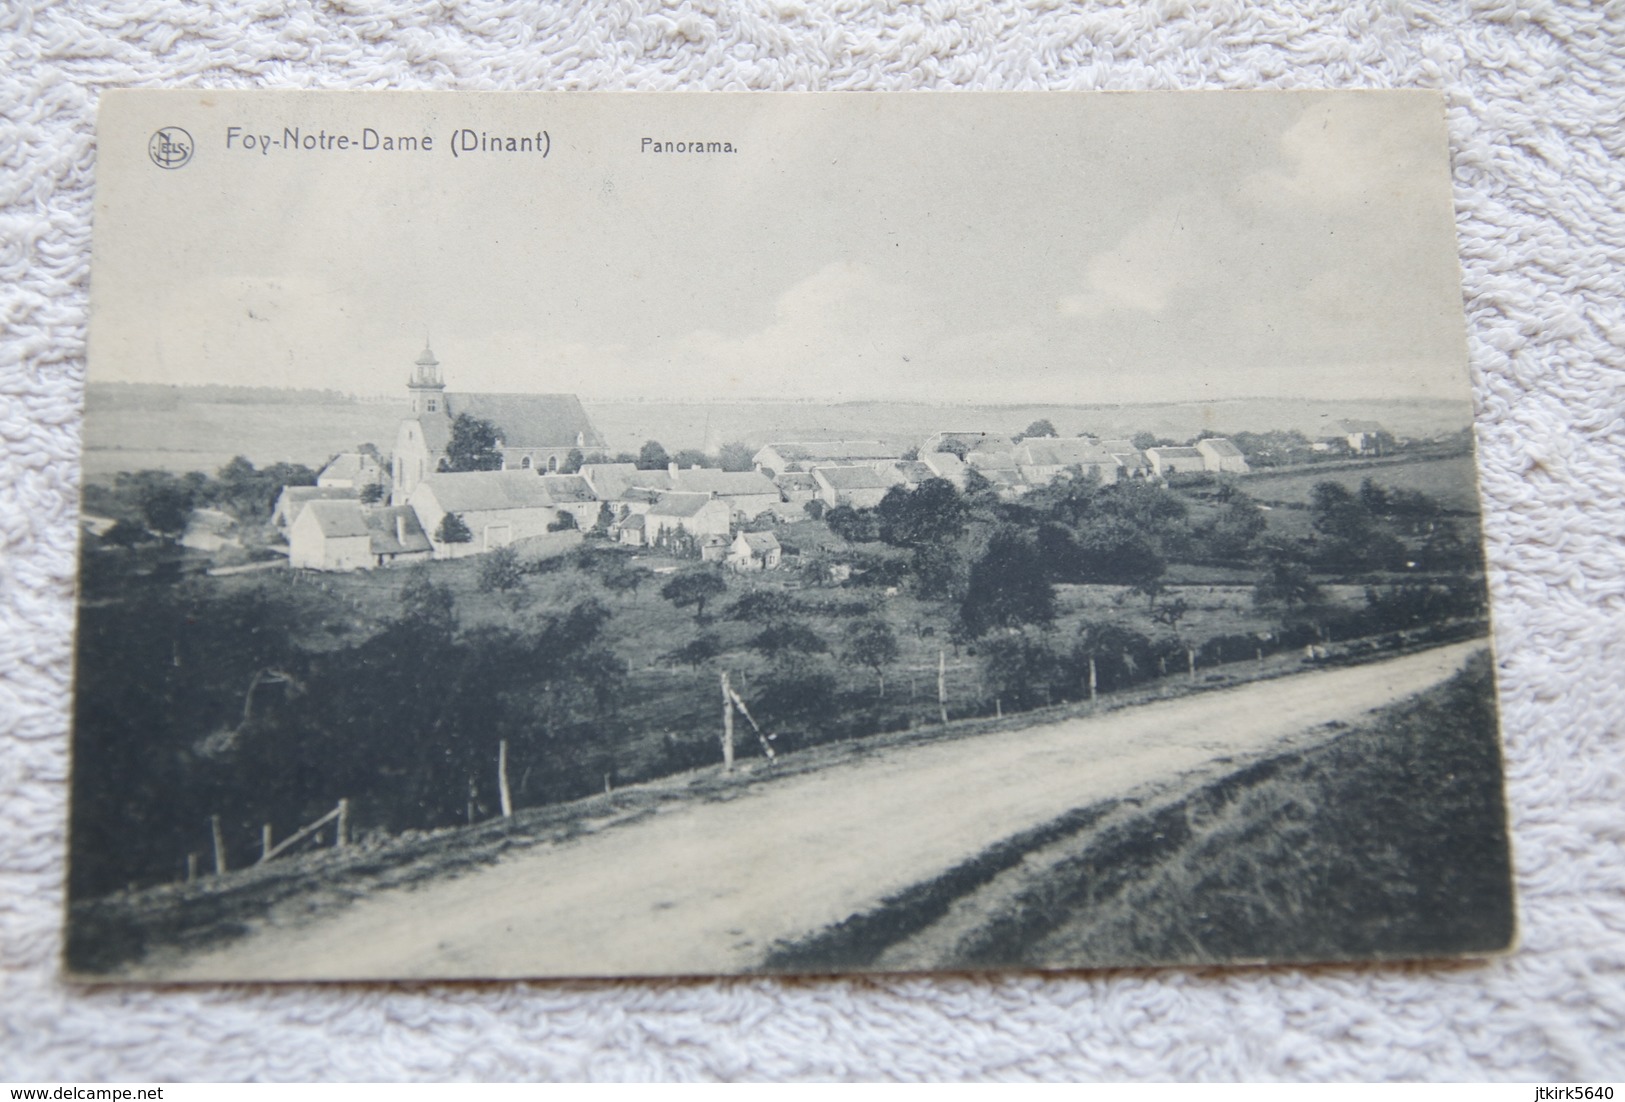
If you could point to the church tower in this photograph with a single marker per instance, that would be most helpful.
(427, 389)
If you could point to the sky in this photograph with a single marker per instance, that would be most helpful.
(958, 248)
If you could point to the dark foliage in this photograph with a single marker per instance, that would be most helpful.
(1008, 586)
(473, 445)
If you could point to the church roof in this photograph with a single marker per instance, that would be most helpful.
(521, 420)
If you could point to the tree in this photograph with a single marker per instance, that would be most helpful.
(372, 493)
(939, 571)
(563, 521)
(689, 457)
(652, 457)
(694, 587)
(1008, 586)
(931, 513)
(622, 576)
(1020, 668)
(473, 445)
(788, 637)
(426, 605)
(573, 460)
(736, 457)
(499, 570)
(1286, 583)
(451, 529)
(697, 651)
(872, 643)
(1041, 427)
(852, 525)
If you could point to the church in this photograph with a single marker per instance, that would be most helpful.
(534, 431)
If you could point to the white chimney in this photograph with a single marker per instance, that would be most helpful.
(400, 529)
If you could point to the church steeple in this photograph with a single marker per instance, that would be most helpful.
(425, 385)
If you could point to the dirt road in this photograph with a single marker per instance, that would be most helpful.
(707, 887)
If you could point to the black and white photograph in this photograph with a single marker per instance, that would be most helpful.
(544, 535)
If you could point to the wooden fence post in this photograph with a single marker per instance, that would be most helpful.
(1093, 680)
(265, 841)
(219, 845)
(341, 829)
(727, 726)
(942, 685)
(502, 779)
(191, 867)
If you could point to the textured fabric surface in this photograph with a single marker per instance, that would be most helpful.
(1536, 93)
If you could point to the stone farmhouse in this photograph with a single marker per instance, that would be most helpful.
(345, 535)
(1219, 454)
(859, 487)
(497, 507)
(753, 551)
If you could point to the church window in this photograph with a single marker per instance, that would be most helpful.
(525, 463)
(432, 406)
(552, 462)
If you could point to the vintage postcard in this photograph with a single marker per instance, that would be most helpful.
(625, 535)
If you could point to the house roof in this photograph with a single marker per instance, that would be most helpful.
(386, 536)
(813, 450)
(634, 522)
(609, 480)
(1050, 452)
(679, 505)
(568, 487)
(337, 519)
(1349, 428)
(914, 472)
(350, 465)
(760, 542)
(1220, 447)
(945, 464)
(1174, 453)
(1119, 447)
(521, 420)
(1131, 460)
(796, 480)
(487, 491)
(722, 483)
(293, 499)
(852, 478)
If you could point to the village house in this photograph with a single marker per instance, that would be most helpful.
(1167, 461)
(330, 535)
(859, 487)
(1131, 461)
(1220, 455)
(1360, 437)
(535, 432)
(1043, 460)
(753, 551)
(396, 535)
(748, 494)
(797, 488)
(351, 471)
(695, 515)
(963, 442)
(497, 507)
(572, 494)
(945, 465)
(804, 455)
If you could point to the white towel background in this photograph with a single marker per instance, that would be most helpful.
(1536, 95)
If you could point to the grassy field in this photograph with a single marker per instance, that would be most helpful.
(1452, 481)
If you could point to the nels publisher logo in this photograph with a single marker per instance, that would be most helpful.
(170, 147)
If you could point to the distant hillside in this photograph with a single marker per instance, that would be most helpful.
(626, 425)
(111, 396)
(133, 426)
